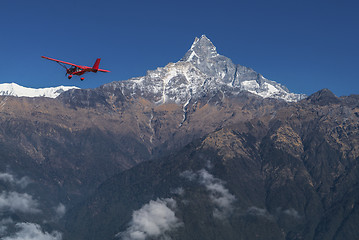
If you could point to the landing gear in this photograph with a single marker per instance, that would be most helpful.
(69, 77)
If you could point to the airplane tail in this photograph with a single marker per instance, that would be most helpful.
(95, 66)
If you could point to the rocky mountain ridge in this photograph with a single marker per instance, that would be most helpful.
(286, 170)
(289, 174)
(69, 145)
(201, 72)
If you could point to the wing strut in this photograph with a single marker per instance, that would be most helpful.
(62, 65)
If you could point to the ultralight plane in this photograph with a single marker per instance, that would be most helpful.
(78, 69)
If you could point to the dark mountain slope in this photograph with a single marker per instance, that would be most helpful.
(68, 146)
(291, 174)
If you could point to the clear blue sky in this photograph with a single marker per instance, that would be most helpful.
(305, 45)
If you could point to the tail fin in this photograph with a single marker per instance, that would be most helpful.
(97, 63)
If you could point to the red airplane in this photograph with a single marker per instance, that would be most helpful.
(77, 69)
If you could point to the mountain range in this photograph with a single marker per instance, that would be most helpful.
(200, 71)
(198, 149)
(13, 89)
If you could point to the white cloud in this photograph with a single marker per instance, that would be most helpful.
(22, 182)
(219, 195)
(178, 191)
(60, 210)
(292, 212)
(153, 220)
(209, 165)
(189, 175)
(31, 231)
(7, 177)
(4, 225)
(21, 202)
(3, 229)
(261, 212)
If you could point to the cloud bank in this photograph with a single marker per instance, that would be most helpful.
(177, 191)
(12, 201)
(218, 193)
(31, 231)
(21, 202)
(154, 220)
(292, 213)
(262, 212)
(60, 210)
(4, 225)
(22, 182)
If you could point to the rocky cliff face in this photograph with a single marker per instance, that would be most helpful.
(69, 146)
(289, 174)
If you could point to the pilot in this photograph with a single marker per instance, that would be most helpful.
(73, 69)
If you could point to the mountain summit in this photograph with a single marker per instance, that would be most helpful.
(202, 48)
(202, 71)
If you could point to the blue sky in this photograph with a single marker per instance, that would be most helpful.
(305, 45)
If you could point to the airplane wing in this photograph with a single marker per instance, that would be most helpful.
(58, 61)
(103, 70)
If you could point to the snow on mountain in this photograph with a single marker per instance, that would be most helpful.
(200, 71)
(13, 89)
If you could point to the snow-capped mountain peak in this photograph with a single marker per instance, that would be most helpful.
(202, 48)
(200, 71)
(13, 89)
